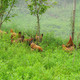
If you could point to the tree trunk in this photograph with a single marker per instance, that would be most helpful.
(38, 25)
(73, 24)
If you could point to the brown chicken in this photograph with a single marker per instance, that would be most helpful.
(70, 45)
(18, 40)
(38, 38)
(28, 40)
(71, 48)
(35, 47)
(13, 34)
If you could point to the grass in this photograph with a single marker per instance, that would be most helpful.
(18, 62)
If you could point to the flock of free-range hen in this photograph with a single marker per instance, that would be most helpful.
(18, 37)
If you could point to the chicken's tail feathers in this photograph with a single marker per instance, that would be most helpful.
(42, 35)
(70, 37)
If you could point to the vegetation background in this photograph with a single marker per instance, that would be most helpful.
(18, 62)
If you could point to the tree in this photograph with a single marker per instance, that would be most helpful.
(5, 9)
(38, 7)
(73, 24)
